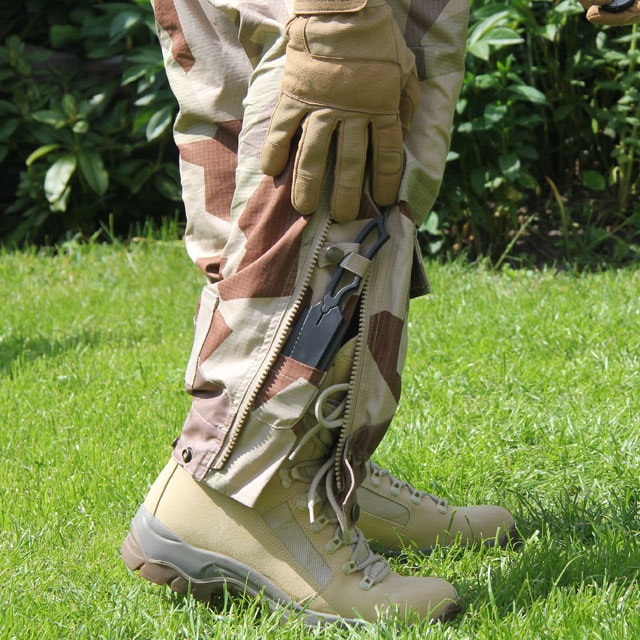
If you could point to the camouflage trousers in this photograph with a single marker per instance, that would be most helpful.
(265, 263)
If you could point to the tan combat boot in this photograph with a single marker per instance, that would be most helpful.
(394, 515)
(187, 534)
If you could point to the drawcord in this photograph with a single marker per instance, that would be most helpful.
(331, 420)
(373, 566)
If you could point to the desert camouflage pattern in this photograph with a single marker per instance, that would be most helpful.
(265, 263)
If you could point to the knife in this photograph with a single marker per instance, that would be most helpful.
(318, 332)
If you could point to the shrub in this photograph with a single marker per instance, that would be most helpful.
(85, 113)
(544, 164)
(543, 167)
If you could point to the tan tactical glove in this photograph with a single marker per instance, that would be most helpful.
(599, 15)
(347, 72)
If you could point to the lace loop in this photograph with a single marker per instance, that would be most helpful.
(332, 420)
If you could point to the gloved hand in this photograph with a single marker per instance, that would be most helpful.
(597, 15)
(352, 75)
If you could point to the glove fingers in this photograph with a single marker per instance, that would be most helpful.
(283, 126)
(351, 153)
(388, 160)
(311, 160)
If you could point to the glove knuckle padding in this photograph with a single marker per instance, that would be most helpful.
(328, 72)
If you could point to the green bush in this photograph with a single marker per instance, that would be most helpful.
(543, 168)
(544, 164)
(85, 121)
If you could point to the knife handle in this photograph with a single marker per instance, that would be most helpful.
(332, 299)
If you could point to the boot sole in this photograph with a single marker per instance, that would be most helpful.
(163, 558)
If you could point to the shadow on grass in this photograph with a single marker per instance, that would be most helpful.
(569, 543)
(18, 351)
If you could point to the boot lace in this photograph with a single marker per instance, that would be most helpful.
(328, 414)
(377, 472)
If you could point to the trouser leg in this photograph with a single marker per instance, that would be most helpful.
(224, 61)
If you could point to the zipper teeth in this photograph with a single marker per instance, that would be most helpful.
(275, 351)
(355, 373)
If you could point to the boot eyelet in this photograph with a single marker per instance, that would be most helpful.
(442, 506)
(349, 567)
(333, 545)
(187, 455)
(366, 583)
(319, 523)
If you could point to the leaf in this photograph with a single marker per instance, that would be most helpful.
(167, 187)
(47, 116)
(479, 50)
(41, 151)
(93, 170)
(123, 23)
(61, 35)
(594, 180)
(159, 122)
(432, 224)
(509, 165)
(69, 105)
(7, 127)
(530, 94)
(81, 126)
(140, 178)
(58, 176)
(494, 113)
(491, 33)
(480, 30)
(479, 177)
(132, 74)
(527, 181)
(502, 37)
(60, 205)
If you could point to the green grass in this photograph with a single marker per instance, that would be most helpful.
(521, 388)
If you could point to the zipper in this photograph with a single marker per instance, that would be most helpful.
(246, 404)
(356, 370)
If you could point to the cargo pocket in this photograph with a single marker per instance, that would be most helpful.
(287, 392)
(269, 433)
(208, 304)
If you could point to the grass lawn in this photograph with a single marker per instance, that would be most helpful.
(521, 388)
